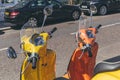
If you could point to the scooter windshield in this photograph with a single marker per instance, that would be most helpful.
(83, 22)
(27, 31)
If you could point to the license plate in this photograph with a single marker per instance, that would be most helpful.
(84, 6)
(6, 13)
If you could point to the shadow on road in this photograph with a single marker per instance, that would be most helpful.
(57, 21)
(2, 32)
(111, 12)
(4, 27)
(48, 22)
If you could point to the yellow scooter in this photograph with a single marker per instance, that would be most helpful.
(39, 62)
(108, 69)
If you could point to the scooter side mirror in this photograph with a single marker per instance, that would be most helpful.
(11, 53)
(93, 9)
(48, 10)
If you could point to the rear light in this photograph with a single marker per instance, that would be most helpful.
(13, 14)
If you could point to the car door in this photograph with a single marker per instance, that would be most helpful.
(57, 9)
(37, 8)
(113, 4)
(118, 4)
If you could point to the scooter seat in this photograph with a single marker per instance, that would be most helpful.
(61, 78)
(108, 65)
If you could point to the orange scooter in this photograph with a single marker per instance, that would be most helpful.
(82, 62)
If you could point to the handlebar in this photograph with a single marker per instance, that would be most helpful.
(89, 52)
(52, 31)
(98, 27)
(34, 61)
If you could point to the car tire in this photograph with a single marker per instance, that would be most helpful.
(75, 15)
(33, 21)
(103, 10)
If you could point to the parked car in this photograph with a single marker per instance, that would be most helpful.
(33, 10)
(102, 6)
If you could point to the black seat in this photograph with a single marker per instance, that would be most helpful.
(61, 78)
(108, 65)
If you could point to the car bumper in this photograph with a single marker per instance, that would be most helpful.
(13, 20)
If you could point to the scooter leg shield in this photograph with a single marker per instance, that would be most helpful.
(82, 69)
(45, 69)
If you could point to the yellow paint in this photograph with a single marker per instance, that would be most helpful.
(45, 65)
(111, 75)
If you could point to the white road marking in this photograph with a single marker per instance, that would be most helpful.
(110, 25)
(3, 49)
(101, 27)
(70, 33)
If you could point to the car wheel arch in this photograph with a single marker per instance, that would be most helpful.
(101, 6)
(74, 11)
(33, 18)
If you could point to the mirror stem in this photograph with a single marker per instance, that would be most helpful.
(91, 14)
(45, 17)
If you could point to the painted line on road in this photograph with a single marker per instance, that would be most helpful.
(5, 28)
(3, 49)
(109, 25)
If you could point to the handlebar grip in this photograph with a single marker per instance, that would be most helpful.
(34, 61)
(53, 30)
(89, 52)
(98, 27)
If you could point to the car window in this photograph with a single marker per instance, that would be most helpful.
(22, 3)
(90, 0)
(41, 2)
(55, 3)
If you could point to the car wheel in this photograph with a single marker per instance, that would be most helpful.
(33, 21)
(103, 10)
(75, 15)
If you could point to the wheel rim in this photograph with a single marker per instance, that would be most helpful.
(103, 10)
(75, 15)
(32, 21)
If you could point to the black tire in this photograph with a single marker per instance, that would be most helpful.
(75, 15)
(33, 21)
(103, 10)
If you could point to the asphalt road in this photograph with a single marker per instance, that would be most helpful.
(63, 42)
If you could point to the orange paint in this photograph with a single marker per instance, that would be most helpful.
(82, 69)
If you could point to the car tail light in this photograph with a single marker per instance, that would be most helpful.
(13, 14)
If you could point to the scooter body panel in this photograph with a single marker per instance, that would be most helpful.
(82, 69)
(45, 69)
(27, 46)
(110, 75)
